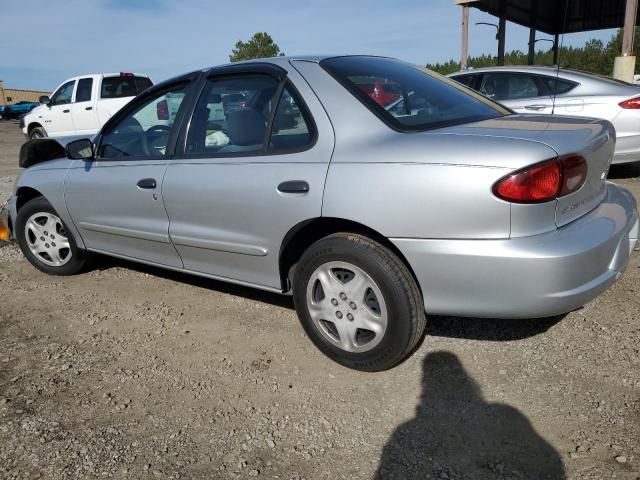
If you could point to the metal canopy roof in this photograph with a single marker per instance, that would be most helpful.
(548, 15)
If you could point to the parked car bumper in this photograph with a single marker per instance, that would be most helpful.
(529, 277)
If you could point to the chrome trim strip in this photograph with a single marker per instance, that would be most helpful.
(125, 232)
(220, 246)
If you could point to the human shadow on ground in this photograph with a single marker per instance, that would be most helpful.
(456, 434)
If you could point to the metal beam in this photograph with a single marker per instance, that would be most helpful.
(502, 27)
(532, 46)
(464, 54)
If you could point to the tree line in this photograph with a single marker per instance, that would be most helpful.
(595, 56)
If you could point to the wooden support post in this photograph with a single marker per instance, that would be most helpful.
(556, 48)
(629, 27)
(464, 54)
(532, 45)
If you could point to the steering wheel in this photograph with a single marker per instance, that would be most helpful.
(154, 140)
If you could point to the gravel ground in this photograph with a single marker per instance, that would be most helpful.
(133, 372)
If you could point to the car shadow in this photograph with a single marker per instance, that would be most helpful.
(456, 434)
(103, 262)
(437, 326)
(489, 329)
(624, 170)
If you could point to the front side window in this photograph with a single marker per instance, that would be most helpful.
(407, 97)
(144, 131)
(63, 94)
(83, 92)
(232, 115)
(123, 86)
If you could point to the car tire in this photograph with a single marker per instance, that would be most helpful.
(44, 241)
(370, 325)
(37, 132)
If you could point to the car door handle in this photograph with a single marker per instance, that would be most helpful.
(66, 111)
(147, 183)
(294, 186)
(535, 107)
(88, 108)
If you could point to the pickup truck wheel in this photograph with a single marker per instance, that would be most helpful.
(358, 302)
(37, 132)
(44, 241)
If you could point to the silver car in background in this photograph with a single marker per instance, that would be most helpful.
(370, 212)
(580, 94)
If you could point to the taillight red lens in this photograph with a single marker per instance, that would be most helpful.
(632, 103)
(544, 181)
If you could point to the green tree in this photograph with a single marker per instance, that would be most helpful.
(594, 56)
(261, 45)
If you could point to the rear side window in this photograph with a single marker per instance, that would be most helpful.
(292, 125)
(557, 86)
(232, 115)
(83, 92)
(123, 86)
(465, 80)
(510, 86)
(409, 98)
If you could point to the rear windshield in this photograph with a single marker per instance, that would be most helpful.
(118, 87)
(407, 97)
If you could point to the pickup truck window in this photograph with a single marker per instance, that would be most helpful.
(83, 92)
(63, 94)
(118, 87)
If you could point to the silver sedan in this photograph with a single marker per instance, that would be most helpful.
(370, 216)
(532, 90)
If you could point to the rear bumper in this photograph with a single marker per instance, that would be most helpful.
(529, 277)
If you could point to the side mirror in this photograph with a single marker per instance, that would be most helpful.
(80, 150)
(44, 100)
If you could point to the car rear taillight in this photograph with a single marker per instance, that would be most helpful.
(544, 181)
(631, 103)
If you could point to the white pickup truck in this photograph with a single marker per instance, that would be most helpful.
(81, 105)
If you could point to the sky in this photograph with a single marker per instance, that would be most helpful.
(44, 42)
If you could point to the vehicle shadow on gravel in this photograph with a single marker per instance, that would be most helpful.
(456, 434)
(105, 263)
(489, 329)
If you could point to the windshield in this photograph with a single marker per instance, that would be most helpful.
(407, 97)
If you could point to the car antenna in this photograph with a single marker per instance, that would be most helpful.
(559, 47)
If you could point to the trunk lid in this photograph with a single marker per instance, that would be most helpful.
(592, 139)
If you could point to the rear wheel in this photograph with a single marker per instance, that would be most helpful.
(44, 241)
(358, 302)
(37, 132)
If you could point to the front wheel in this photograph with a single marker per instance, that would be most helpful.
(44, 241)
(37, 132)
(358, 302)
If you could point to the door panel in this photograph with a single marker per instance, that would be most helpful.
(227, 216)
(57, 119)
(114, 215)
(116, 201)
(82, 109)
(229, 219)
